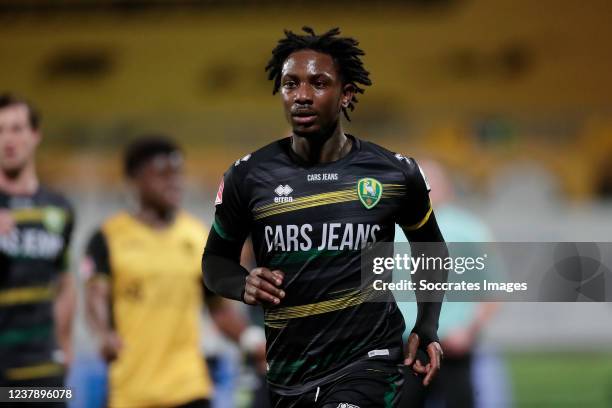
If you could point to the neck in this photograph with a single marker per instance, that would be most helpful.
(323, 149)
(22, 182)
(155, 217)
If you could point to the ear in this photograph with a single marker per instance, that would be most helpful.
(348, 91)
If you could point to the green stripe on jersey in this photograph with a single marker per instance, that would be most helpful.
(221, 231)
(279, 369)
(286, 258)
(17, 336)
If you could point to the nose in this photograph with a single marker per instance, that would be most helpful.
(303, 94)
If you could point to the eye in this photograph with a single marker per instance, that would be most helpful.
(18, 128)
(289, 84)
(319, 84)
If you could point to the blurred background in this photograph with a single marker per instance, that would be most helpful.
(512, 97)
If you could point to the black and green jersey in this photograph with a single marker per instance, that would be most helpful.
(311, 222)
(31, 257)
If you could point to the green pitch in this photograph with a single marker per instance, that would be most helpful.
(561, 380)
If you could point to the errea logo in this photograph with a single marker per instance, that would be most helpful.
(283, 190)
(282, 194)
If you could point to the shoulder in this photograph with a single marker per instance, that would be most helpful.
(191, 223)
(116, 223)
(49, 196)
(405, 164)
(245, 165)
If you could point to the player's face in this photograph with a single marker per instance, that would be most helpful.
(312, 92)
(160, 181)
(18, 140)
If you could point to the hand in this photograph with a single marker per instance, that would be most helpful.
(458, 342)
(7, 223)
(111, 346)
(67, 356)
(260, 358)
(434, 351)
(262, 286)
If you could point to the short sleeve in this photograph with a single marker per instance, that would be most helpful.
(416, 208)
(97, 259)
(232, 216)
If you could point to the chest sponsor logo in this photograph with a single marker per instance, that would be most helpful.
(322, 177)
(332, 237)
(347, 405)
(283, 194)
(33, 243)
(369, 191)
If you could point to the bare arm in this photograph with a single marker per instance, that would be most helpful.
(98, 311)
(64, 308)
(225, 316)
(234, 325)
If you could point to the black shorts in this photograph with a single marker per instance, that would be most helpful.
(375, 385)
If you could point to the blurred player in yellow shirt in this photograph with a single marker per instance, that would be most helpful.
(145, 291)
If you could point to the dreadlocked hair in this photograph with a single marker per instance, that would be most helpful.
(344, 51)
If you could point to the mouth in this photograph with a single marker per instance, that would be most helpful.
(303, 117)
